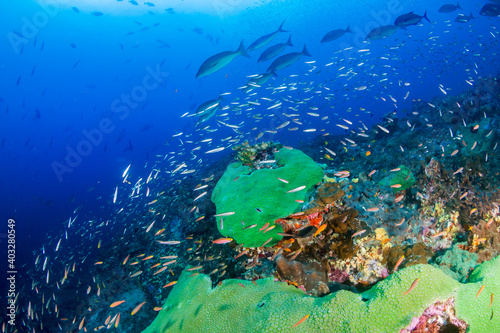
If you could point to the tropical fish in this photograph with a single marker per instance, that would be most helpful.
(222, 241)
(381, 32)
(490, 9)
(134, 2)
(448, 8)
(413, 285)
(265, 39)
(287, 59)
(274, 50)
(220, 60)
(408, 19)
(335, 34)
(208, 106)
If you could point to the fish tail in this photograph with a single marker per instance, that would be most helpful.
(241, 50)
(289, 42)
(349, 30)
(471, 15)
(280, 29)
(458, 5)
(305, 52)
(425, 16)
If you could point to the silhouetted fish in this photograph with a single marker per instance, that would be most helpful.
(409, 19)
(287, 59)
(335, 34)
(218, 61)
(265, 39)
(448, 8)
(274, 50)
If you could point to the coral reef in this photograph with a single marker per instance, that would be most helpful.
(254, 199)
(312, 281)
(457, 263)
(269, 306)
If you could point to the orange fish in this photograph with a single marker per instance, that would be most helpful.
(115, 304)
(137, 308)
(358, 233)
(222, 241)
(396, 186)
(371, 173)
(169, 284)
(399, 263)
(413, 285)
(480, 290)
(117, 320)
(368, 153)
(302, 320)
(373, 209)
(320, 229)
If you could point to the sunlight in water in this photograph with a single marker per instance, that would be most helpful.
(212, 7)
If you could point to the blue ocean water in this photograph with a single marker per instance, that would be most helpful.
(90, 88)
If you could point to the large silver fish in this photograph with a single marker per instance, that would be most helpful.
(448, 8)
(490, 9)
(209, 106)
(265, 39)
(335, 34)
(409, 19)
(287, 59)
(274, 50)
(218, 61)
(381, 32)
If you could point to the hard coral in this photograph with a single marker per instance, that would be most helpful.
(312, 279)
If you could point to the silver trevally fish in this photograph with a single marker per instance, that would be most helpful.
(409, 19)
(208, 106)
(464, 18)
(274, 50)
(206, 116)
(448, 8)
(216, 62)
(287, 59)
(490, 9)
(381, 32)
(265, 39)
(256, 82)
(335, 34)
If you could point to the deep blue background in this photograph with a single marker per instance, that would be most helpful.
(50, 95)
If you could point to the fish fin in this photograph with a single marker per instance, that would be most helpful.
(305, 52)
(471, 15)
(274, 73)
(425, 16)
(280, 29)
(458, 5)
(289, 42)
(241, 50)
(349, 30)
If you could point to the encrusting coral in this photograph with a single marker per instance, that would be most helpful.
(390, 306)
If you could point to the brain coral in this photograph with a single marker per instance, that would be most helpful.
(269, 306)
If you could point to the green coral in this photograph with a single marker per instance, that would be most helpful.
(457, 263)
(259, 197)
(403, 177)
(269, 306)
